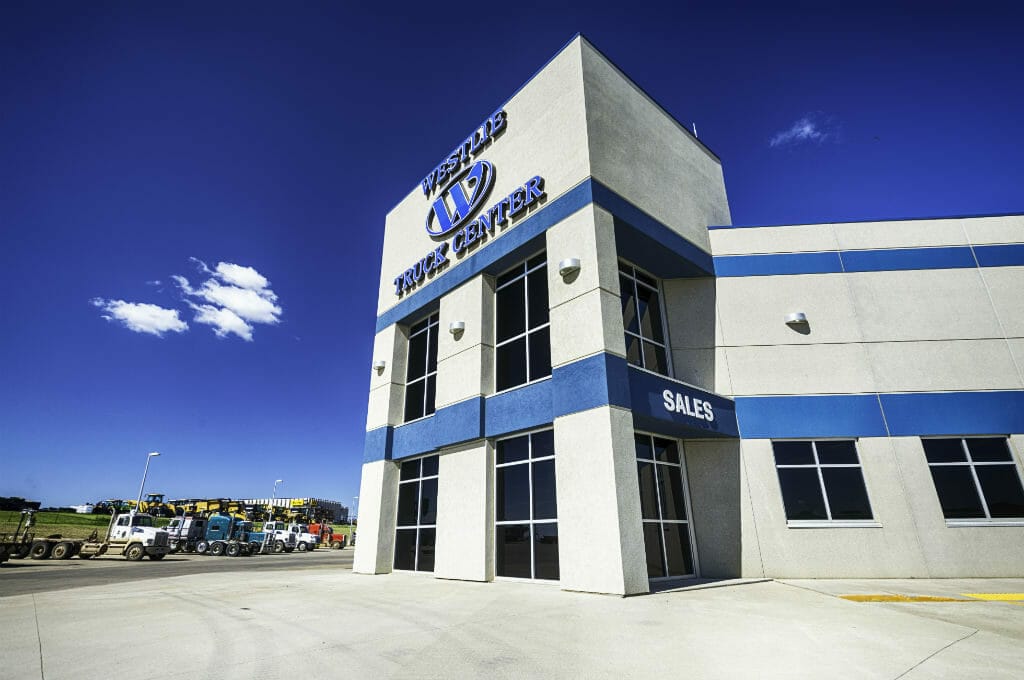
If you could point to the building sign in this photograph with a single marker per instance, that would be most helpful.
(457, 191)
(666, 406)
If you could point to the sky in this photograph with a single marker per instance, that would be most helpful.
(192, 195)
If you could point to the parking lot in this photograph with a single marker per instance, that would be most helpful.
(23, 577)
(290, 616)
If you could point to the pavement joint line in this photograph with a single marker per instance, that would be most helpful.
(39, 637)
(936, 652)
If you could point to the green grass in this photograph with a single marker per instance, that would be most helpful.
(67, 524)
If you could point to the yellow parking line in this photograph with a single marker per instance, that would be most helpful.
(997, 597)
(899, 598)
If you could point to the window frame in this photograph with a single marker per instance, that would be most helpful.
(433, 320)
(662, 310)
(527, 332)
(419, 500)
(528, 461)
(691, 535)
(829, 523)
(988, 520)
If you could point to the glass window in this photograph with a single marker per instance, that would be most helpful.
(416, 526)
(522, 336)
(526, 507)
(666, 526)
(821, 480)
(975, 478)
(642, 319)
(421, 369)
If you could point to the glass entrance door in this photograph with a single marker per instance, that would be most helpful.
(664, 506)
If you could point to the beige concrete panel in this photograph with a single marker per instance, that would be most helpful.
(588, 235)
(723, 377)
(753, 310)
(473, 304)
(790, 552)
(467, 374)
(389, 346)
(696, 367)
(690, 311)
(385, 406)
(465, 513)
(975, 551)
(586, 325)
(601, 547)
(800, 238)
(943, 365)
(713, 478)
(998, 229)
(899, 234)
(640, 152)
(1006, 288)
(751, 564)
(927, 304)
(378, 508)
(545, 135)
(800, 369)
(1016, 346)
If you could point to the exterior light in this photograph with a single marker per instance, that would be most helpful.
(456, 327)
(796, 318)
(138, 501)
(379, 365)
(569, 265)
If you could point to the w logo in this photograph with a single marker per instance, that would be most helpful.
(460, 200)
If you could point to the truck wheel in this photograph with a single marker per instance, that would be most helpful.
(233, 549)
(86, 556)
(134, 552)
(21, 552)
(175, 547)
(336, 545)
(202, 547)
(157, 556)
(254, 548)
(40, 550)
(63, 551)
(217, 549)
(303, 547)
(279, 546)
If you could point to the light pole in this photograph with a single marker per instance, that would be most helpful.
(355, 504)
(273, 497)
(138, 501)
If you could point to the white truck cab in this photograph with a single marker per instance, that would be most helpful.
(303, 539)
(136, 535)
(280, 532)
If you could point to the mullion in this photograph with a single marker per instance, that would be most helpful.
(974, 476)
(821, 480)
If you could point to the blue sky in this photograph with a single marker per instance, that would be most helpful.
(254, 150)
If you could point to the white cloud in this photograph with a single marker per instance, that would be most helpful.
(224, 321)
(810, 128)
(141, 317)
(233, 298)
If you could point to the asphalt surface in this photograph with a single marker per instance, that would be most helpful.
(25, 577)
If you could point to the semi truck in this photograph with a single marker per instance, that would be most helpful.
(185, 533)
(277, 536)
(304, 538)
(229, 536)
(133, 535)
(328, 537)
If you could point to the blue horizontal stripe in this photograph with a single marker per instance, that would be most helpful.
(857, 415)
(871, 415)
(896, 259)
(1010, 255)
(783, 263)
(954, 413)
(519, 409)
(863, 221)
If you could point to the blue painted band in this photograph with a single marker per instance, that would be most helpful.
(1010, 255)
(521, 408)
(862, 221)
(377, 445)
(597, 380)
(901, 259)
(783, 263)
(871, 415)
(882, 259)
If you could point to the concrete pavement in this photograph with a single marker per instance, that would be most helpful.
(326, 624)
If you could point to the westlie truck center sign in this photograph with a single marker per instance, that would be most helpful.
(459, 186)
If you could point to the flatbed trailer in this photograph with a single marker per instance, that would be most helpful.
(132, 535)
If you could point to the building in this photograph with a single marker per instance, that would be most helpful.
(582, 373)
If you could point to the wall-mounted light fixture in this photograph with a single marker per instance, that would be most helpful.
(796, 318)
(456, 327)
(379, 365)
(568, 266)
